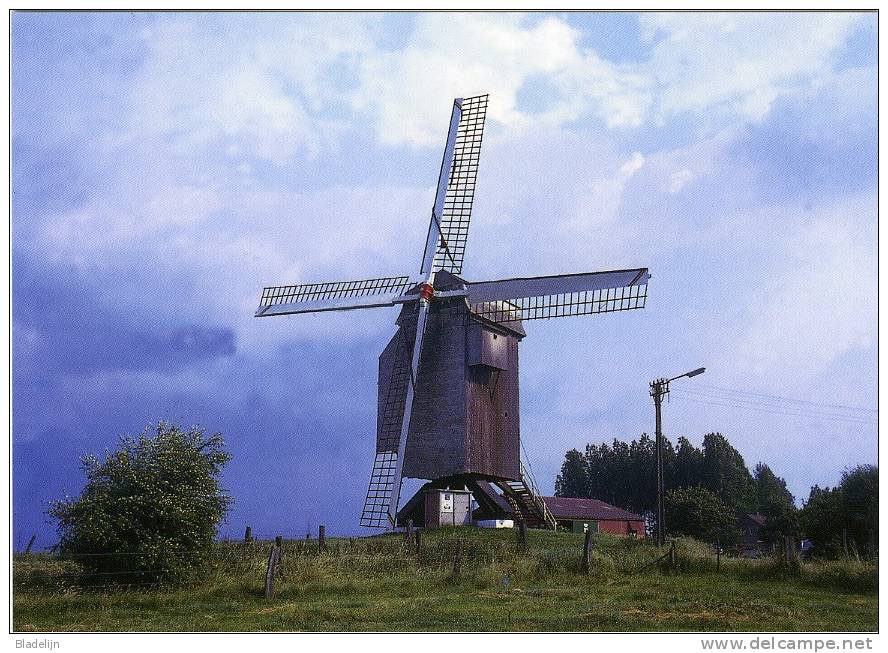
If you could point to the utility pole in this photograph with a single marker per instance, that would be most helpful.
(659, 389)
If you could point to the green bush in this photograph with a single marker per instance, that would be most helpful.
(696, 512)
(149, 511)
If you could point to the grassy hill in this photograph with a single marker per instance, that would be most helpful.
(380, 584)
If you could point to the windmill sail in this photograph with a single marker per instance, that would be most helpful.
(394, 376)
(535, 298)
(445, 247)
(331, 296)
(449, 225)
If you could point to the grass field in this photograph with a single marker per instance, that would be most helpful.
(378, 584)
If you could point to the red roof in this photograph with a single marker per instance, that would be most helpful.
(572, 508)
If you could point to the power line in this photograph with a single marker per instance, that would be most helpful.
(813, 410)
(733, 391)
(774, 410)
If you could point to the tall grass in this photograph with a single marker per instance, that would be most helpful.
(385, 583)
(487, 558)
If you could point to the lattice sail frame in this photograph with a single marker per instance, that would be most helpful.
(588, 302)
(312, 292)
(382, 478)
(457, 210)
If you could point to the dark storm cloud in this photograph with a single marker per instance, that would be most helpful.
(74, 327)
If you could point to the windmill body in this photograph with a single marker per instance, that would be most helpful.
(448, 408)
(468, 420)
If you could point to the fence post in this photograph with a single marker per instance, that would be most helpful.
(790, 553)
(30, 544)
(322, 545)
(409, 533)
(522, 535)
(248, 535)
(274, 563)
(587, 552)
(457, 558)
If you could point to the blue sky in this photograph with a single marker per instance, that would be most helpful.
(167, 166)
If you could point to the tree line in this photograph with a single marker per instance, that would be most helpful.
(709, 487)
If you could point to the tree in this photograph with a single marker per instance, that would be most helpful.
(776, 504)
(643, 471)
(724, 472)
(149, 511)
(853, 506)
(697, 512)
(573, 481)
(821, 520)
(860, 503)
(688, 470)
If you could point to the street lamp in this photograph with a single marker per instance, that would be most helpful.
(659, 389)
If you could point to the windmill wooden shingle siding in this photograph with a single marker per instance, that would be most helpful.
(448, 380)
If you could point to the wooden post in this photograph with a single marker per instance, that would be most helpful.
(274, 563)
(30, 544)
(248, 535)
(587, 552)
(845, 541)
(522, 535)
(409, 533)
(322, 545)
(790, 552)
(457, 558)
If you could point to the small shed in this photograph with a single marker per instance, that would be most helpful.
(446, 507)
(580, 515)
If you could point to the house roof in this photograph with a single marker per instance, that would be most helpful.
(573, 508)
(757, 518)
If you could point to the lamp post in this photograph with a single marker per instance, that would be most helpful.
(659, 389)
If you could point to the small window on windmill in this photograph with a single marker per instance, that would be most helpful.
(487, 348)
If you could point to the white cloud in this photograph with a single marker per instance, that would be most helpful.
(253, 85)
(737, 64)
(633, 165)
(453, 55)
(680, 179)
(549, 201)
(272, 90)
(820, 302)
(719, 67)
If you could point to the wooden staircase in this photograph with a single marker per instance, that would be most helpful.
(527, 503)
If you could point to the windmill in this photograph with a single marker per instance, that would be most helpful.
(448, 379)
